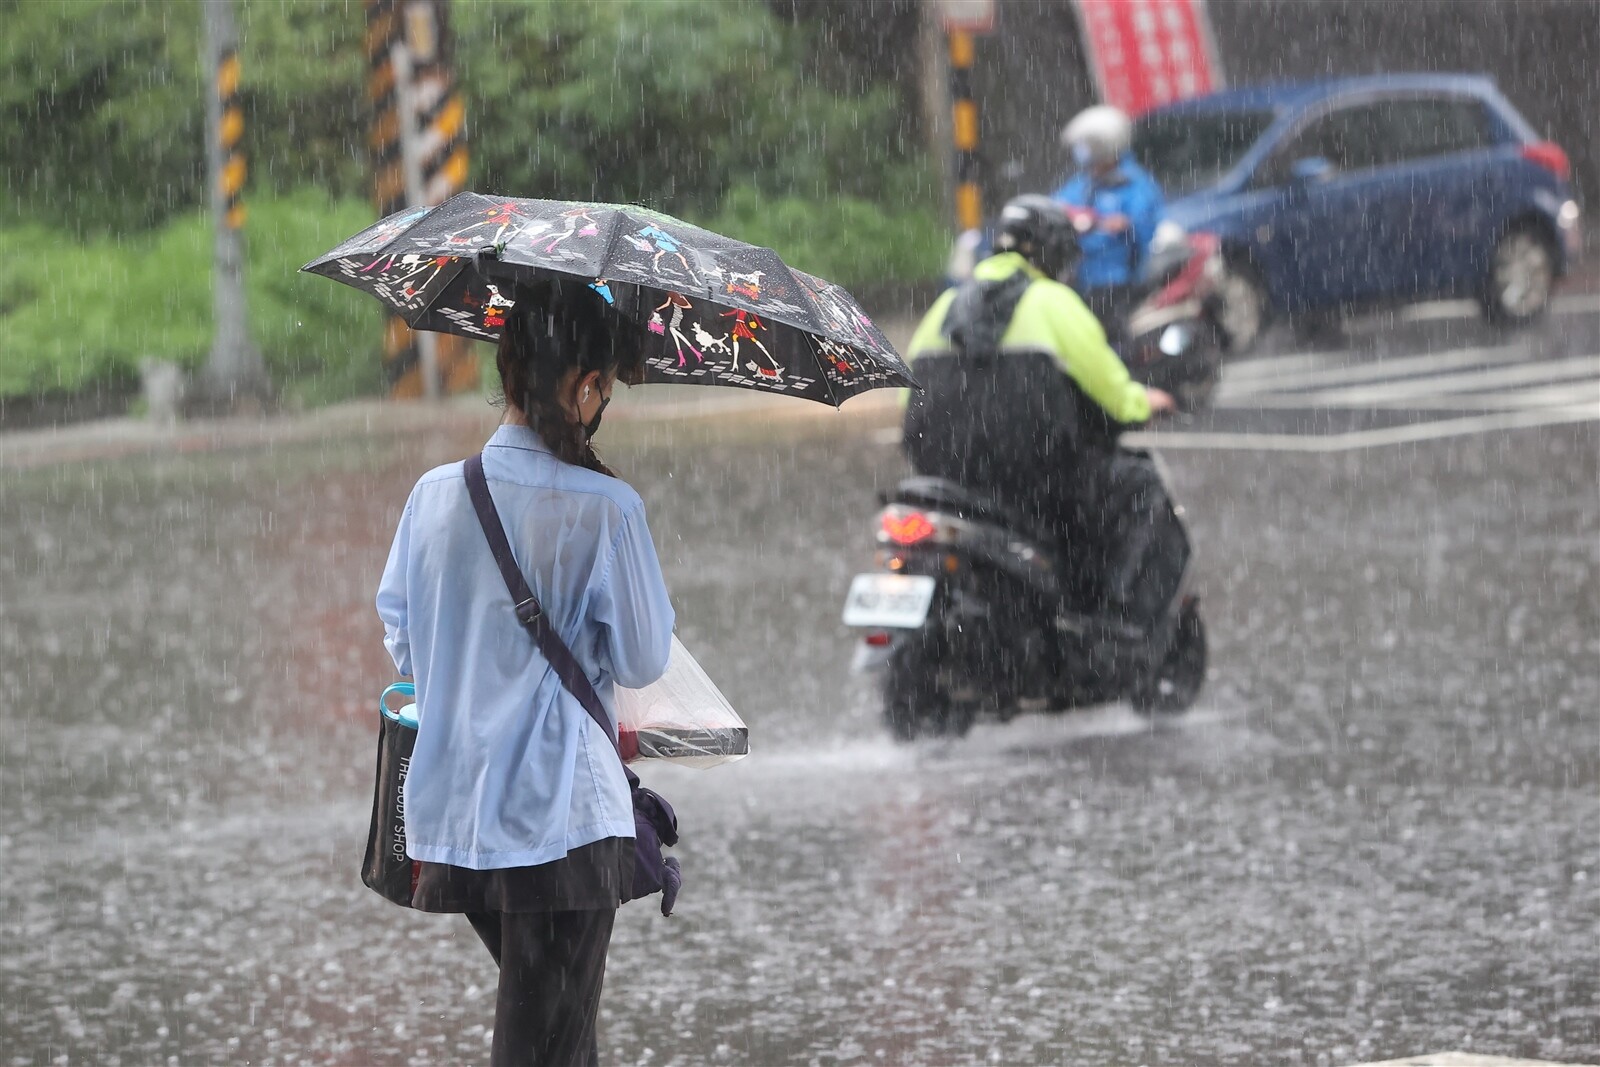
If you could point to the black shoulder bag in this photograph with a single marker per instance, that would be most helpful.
(654, 822)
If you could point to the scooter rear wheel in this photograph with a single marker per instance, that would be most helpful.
(1175, 684)
(915, 703)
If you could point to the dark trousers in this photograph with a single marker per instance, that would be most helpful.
(552, 964)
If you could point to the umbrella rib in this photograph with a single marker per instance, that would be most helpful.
(611, 244)
(822, 372)
(462, 263)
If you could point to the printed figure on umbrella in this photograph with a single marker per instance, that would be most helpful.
(386, 231)
(570, 228)
(502, 216)
(744, 326)
(495, 309)
(746, 285)
(679, 304)
(653, 237)
(401, 278)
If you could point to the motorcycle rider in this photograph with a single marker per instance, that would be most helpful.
(1023, 398)
(1127, 206)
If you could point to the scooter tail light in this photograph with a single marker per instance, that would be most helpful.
(907, 527)
(877, 640)
(1550, 156)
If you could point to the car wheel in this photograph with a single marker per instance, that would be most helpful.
(1324, 327)
(1242, 307)
(1522, 276)
(1173, 686)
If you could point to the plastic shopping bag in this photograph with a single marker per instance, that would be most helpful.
(681, 717)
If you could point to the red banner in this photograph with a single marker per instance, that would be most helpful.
(1145, 53)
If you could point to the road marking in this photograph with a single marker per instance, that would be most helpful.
(1396, 393)
(1347, 442)
(1434, 310)
(1466, 1059)
(1375, 370)
(1537, 396)
(1244, 370)
(1438, 310)
(1577, 304)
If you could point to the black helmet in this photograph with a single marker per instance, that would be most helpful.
(1041, 230)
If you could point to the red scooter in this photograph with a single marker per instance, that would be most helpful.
(1171, 338)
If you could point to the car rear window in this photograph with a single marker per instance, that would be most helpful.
(1381, 133)
(1188, 152)
(1417, 128)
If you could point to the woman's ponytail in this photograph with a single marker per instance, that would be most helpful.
(554, 328)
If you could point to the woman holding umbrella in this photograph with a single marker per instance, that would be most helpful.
(515, 804)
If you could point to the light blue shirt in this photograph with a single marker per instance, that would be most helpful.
(509, 770)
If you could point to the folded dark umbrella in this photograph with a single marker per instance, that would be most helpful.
(715, 311)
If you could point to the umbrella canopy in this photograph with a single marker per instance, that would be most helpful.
(714, 311)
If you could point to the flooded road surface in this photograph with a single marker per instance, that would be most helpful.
(1376, 834)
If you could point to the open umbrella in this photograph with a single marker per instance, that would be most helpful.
(715, 311)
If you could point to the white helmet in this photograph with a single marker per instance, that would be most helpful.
(1098, 135)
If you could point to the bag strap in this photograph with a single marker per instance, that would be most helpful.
(529, 613)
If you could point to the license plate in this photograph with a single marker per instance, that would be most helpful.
(893, 601)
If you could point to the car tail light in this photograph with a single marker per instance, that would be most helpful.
(905, 527)
(1548, 154)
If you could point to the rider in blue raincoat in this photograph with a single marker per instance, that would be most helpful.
(1127, 206)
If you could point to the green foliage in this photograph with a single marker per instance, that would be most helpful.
(100, 111)
(664, 102)
(854, 242)
(104, 105)
(708, 109)
(78, 313)
(320, 339)
(303, 88)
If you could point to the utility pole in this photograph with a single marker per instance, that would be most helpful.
(235, 375)
(934, 94)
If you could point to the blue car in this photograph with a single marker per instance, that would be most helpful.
(1333, 194)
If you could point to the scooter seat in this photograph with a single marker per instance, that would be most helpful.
(941, 494)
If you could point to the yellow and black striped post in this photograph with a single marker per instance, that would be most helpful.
(438, 154)
(964, 129)
(419, 156)
(235, 375)
(441, 114)
(230, 133)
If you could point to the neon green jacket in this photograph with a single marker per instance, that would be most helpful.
(1049, 318)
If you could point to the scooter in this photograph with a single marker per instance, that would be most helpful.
(972, 614)
(1172, 338)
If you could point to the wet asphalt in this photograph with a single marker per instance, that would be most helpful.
(1377, 833)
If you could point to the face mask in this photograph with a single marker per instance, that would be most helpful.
(1081, 153)
(593, 424)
